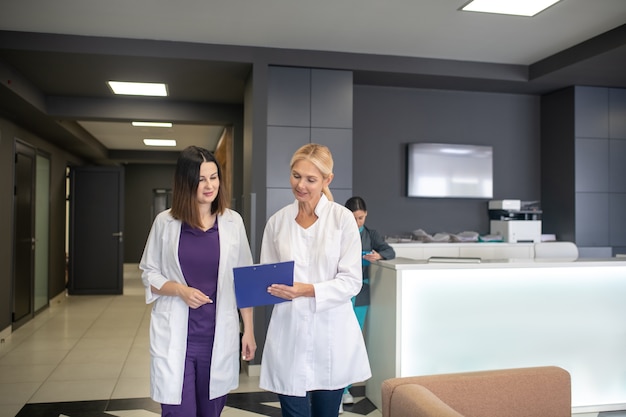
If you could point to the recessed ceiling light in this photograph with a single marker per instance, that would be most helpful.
(138, 89)
(514, 7)
(159, 142)
(151, 124)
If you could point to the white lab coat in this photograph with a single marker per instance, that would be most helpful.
(315, 343)
(168, 324)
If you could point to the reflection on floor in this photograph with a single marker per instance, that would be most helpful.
(238, 405)
(87, 356)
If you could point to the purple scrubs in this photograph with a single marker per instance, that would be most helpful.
(199, 255)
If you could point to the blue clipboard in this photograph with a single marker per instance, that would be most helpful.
(251, 283)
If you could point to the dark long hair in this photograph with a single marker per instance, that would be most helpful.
(356, 203)
(186, 179)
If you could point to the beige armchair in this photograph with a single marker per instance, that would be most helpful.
(525, 392)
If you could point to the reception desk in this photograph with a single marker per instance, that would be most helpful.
(484, 250)
(434, 318)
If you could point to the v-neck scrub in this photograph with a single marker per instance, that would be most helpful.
(199, 257)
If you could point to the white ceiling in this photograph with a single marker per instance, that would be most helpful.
(414, 28)
(433, 29)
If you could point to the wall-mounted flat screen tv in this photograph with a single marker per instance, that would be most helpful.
(449, 170)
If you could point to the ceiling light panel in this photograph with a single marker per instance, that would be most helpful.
(511, 7)
(159, 142)
(138, 89)
(151, 124)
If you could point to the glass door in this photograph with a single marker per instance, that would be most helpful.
(42, 230)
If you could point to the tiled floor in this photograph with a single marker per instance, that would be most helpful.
(87, 356)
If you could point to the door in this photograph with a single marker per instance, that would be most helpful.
(161, 200)
(96, 230)
(42, 231)
(24, 234)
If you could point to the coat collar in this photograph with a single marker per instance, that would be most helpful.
(324, 201)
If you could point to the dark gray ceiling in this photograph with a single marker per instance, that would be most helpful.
(56, 83)
(85, 74)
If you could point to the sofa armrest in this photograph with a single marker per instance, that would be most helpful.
(535, 391)
(412, 400)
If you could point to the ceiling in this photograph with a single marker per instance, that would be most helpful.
(55, 58)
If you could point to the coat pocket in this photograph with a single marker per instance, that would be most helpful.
(160, 334)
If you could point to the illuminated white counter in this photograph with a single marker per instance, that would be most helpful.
(484, 250)
(442, 318)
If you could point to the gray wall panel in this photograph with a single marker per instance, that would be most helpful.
(331, 103)
(341, 195)
(331, 98)
(592, 112)
(592, 165)
(592, 210)
(595, 252)
(598, 162)
(282, 142)
(617, 219)
(617, 165)
(289, 97)
(278, 198)
(339, 141)
(617, 113)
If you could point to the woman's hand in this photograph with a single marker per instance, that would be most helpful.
(193, 297)
(288, 292)
(248, 346)
(372, 256)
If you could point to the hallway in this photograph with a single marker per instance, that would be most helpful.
(87, 356)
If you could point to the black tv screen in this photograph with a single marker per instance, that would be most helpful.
(449, 170)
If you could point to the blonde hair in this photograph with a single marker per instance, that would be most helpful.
(320, 156)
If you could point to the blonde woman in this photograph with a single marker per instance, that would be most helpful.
(314, 346)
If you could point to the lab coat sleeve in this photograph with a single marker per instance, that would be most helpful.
(151, 260)
(347, 273)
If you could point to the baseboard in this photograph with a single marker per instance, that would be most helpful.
(5, 333)
(59, 298)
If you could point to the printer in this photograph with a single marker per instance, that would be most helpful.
(515, 220)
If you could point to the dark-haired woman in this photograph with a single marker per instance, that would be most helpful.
(187, 269)
(374, 248)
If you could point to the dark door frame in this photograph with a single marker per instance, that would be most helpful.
(23, 272)
(96, 249)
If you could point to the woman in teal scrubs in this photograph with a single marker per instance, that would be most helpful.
(374, 248)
